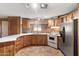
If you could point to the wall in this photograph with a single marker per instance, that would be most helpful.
(40, 25)
(4, 28)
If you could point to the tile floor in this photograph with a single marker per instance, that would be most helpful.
(39, 51)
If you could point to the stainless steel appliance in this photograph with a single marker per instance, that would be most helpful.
(68, 38)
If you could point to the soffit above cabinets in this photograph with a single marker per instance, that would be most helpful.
(20, 9)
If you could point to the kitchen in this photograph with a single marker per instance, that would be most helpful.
(39, 27)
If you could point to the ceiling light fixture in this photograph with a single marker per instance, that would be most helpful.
(43, 5)
(27, 5)
(34, 5)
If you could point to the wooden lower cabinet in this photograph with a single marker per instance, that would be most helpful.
(19, 43)
(27, 40)
(7, 49)
(12, 47)
(1, 49)
(45, 40)
(59, 42)
(34, 39)
(39, 40)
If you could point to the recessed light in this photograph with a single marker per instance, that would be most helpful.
(27, 5)
(34, 5)
(43, 5)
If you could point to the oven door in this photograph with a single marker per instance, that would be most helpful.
(52, 41)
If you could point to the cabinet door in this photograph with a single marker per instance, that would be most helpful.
(27, 40)
(1, 49)
(13, 25)
(34, 40)
(9, 48)
(51, 23)
(19, 43)
(75, 14)
(40, 39)
(25, 25)
(59, 42)
(45, 40)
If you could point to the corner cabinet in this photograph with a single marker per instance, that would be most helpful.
(19, 44)
(27, 41)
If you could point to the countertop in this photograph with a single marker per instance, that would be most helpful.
(14, 37)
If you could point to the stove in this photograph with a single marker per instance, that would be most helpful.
(52, 41)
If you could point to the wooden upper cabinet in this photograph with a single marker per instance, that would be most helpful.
(13, 25)
(58, 21)
(69, 17)
(55, 22)
(75, 14)
(25, 25)
(50, 22)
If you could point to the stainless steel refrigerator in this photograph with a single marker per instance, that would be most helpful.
(68, 34)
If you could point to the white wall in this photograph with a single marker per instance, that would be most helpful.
(4, 28)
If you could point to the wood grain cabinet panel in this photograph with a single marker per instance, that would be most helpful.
(75, 14)
(27, 40)
(45, 40)
(25, 25)
(1, 49)
(9, 48)
(13, 25)
(39, 40)
(58, 21)
(19, 43)
(34, 39)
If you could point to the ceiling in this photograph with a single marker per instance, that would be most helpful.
(20, 9)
